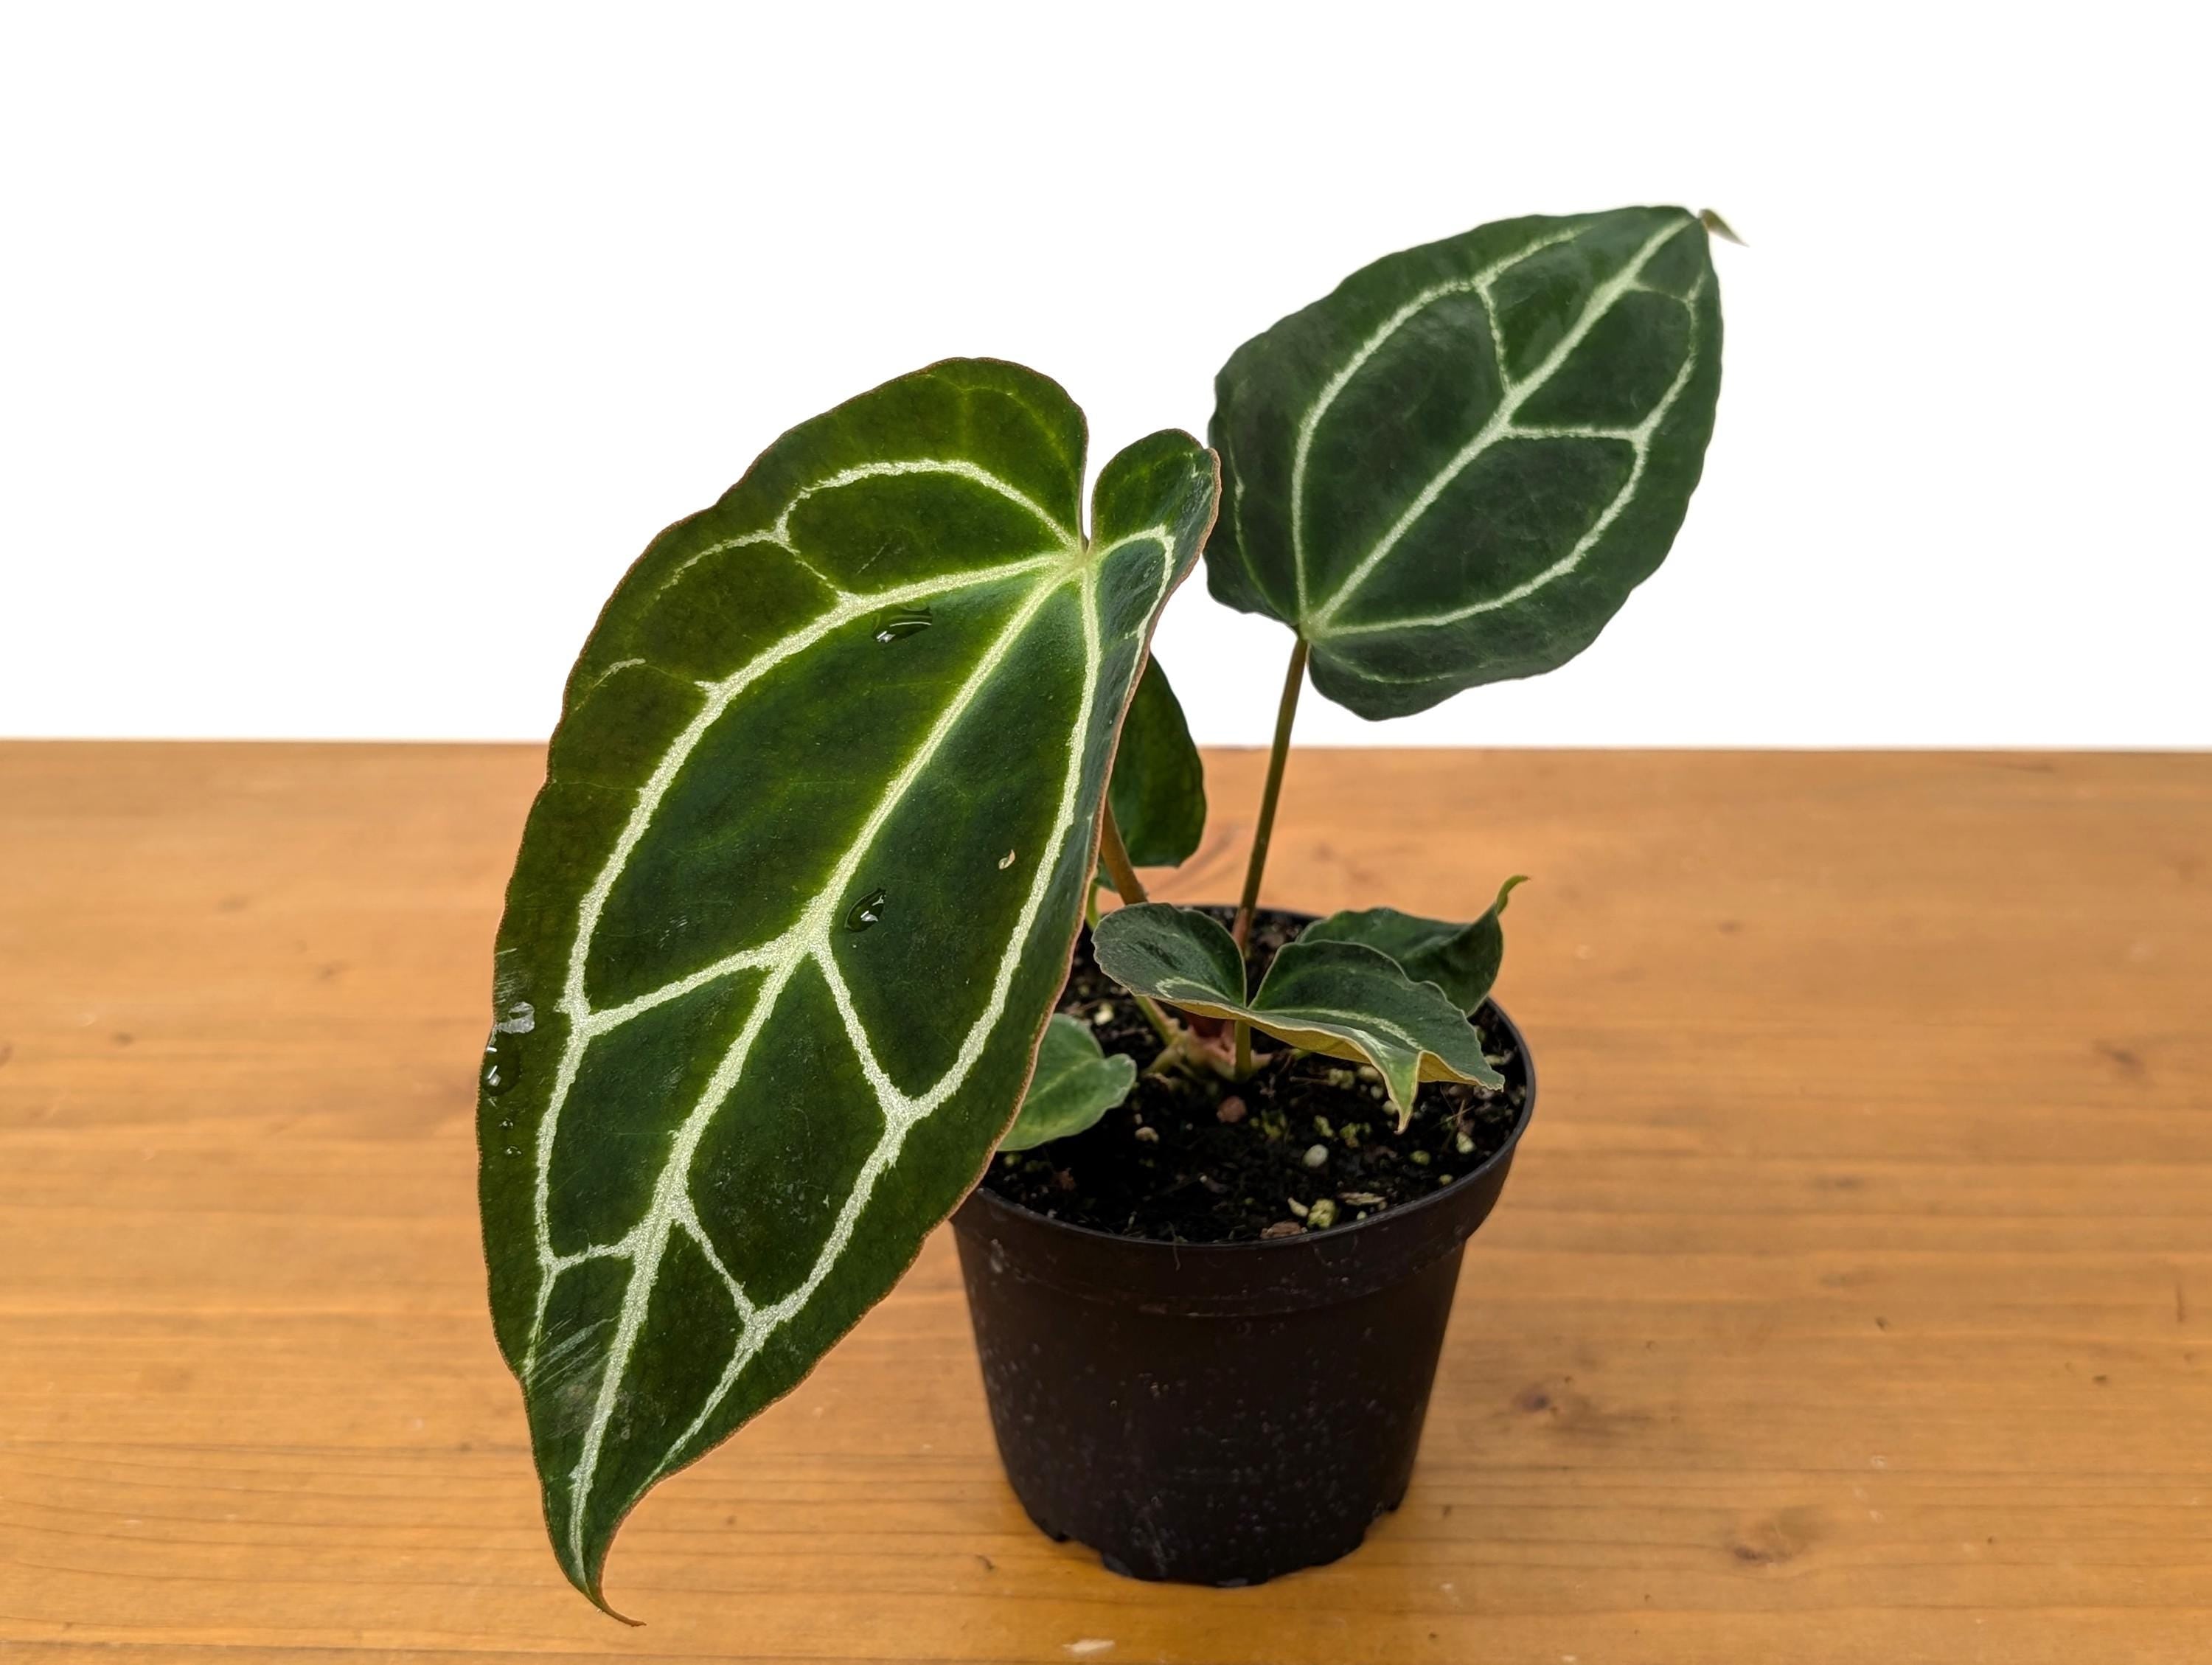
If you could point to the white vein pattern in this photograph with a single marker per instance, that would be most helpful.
(807, 941)
(1178, 989)
(1328, 1020)
(1501, 426)
(779, 533)
(1310, 424)
(1358, 1022)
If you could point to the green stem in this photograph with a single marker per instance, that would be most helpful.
(1157, 1019)
(1278, 754)
(1243, 1050)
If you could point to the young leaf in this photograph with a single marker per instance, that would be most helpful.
(1158, 786)
(1343, 999)
(1454, 469)
(1075, 1084)
(1462, 960)
(795, 901)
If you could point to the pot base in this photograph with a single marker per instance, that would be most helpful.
(1114, 1564)
(1308, 1557)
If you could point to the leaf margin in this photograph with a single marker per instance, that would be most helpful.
(1088, 1060)
(1462, 960)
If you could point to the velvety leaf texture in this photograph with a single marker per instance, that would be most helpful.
(1075, 1083)
(795, 901)
(1462, 960)
(1158, 787)
(1344, 999)
(1454, 469)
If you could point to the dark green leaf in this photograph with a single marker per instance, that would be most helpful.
(1454, 469)
(1075, 1084)
(795, 902)
(1462, 960)
(1158, 785)
(1343, 999)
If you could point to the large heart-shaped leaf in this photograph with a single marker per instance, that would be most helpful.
(1462, 960)
(795, 901)
(1454, 469)
(1076, 1081)
(1343, 999)
(1158, 786)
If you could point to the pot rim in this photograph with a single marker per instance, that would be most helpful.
(1441, 1198)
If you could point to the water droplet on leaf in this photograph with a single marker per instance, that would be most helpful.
(867, 911)
(894, 622)
(502, 1064)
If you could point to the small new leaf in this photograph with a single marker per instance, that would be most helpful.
(1454, 469)
(1076, 1082)
(1343, 999)
(1710, 218)
(1158, 785)
(1462, 960)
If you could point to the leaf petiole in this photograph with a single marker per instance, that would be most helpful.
(1115, 854)
(1264, 830)
(1170, 1033)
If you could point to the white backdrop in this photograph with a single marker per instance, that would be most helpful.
(348, 353)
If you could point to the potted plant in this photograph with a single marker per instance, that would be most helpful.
(787, 951)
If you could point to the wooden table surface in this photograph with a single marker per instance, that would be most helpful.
(1852, 1299)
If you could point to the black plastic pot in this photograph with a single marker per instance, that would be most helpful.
(1216, 1413)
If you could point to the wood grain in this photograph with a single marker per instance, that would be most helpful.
(1852, 1299)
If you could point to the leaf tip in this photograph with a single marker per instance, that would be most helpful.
(1712, 221)
(593, 1591)
(584, 1563)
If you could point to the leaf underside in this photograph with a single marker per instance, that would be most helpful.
(1462, 960)
(1454, 469)
(794, 903)
(1075, 1083)
(1158, 786)
(1343, 999)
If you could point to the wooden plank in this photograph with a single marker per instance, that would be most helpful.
(1851, 1300)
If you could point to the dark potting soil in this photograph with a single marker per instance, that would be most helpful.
(1186, 1160)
